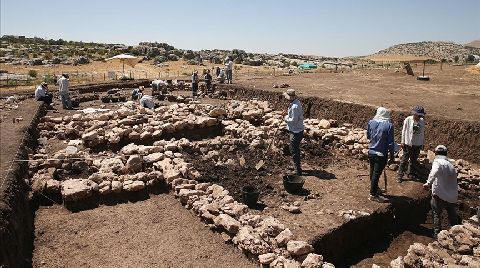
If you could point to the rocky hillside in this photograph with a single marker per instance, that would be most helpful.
(436, 50)
(21, 50)
(474, 44)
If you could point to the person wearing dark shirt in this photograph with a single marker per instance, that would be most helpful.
(208, 81)
(194, 83)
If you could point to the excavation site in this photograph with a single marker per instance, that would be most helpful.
(210, 182)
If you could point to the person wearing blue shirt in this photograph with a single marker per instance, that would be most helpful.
(295, 127)
(380, 133)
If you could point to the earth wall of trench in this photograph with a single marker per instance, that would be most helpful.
(461, 137)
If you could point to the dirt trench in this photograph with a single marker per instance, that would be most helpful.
(16, 211)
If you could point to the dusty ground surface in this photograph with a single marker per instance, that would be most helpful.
(157, 232)
(11, 134)
(452, 92)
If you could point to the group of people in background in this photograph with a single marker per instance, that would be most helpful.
(42, 94)
(223, 75)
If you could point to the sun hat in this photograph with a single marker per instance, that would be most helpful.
(289, 94)
(418, 110)
(44, 84)
(382, 114)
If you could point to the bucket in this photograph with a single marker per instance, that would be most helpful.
(250, 195)
(293, 183)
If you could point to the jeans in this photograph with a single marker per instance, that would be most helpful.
(295, 139)
(47, 98)
(409, 153)
(229, 76)
(377, 164)
(66, 101)
(437, 208)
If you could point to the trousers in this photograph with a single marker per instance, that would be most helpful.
(295, 140)
(377, 164)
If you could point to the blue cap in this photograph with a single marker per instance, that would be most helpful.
(418, 110)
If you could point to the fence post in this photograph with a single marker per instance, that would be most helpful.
(103, 76)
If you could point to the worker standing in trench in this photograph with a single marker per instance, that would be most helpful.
(443, 181)
(413, 137)
(294, 119)
(380, 132)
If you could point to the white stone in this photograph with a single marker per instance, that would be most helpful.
(230, 224)
(284, 237)
(297, 248)
(132, 186)
(90, 136)
(134, 163)
(116, 186)
(313, 261)
(267, 258)
(75, 189)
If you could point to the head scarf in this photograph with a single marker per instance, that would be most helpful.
(382, 115)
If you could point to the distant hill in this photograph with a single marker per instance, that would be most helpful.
(474, 44)
(435, 50)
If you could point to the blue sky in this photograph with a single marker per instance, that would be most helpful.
(329, 28)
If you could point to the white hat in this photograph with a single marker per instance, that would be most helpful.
(289, 94)
(441, 148)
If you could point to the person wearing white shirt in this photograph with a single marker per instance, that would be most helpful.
(413, 138)
(63, 85)
(41, 94)
(294, 119)
(443, 181)
(229, 70)
(147, 102)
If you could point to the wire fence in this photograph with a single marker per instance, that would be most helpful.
(77, 77)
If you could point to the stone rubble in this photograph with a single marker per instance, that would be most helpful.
(457, 247)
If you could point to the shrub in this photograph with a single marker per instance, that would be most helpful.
(33, 73)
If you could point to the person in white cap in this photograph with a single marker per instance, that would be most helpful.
(41, 94)
(294, 119)
(443, 181)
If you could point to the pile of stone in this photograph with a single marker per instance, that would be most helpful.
(129, 123)
(134, 168)
(257, 235)
(457, 247)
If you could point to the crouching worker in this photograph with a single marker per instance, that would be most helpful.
(380, 133)
(41, 94)
(137, 93)
(443, 181)
(147, 102)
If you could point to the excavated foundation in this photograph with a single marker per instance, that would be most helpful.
(342, 242)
